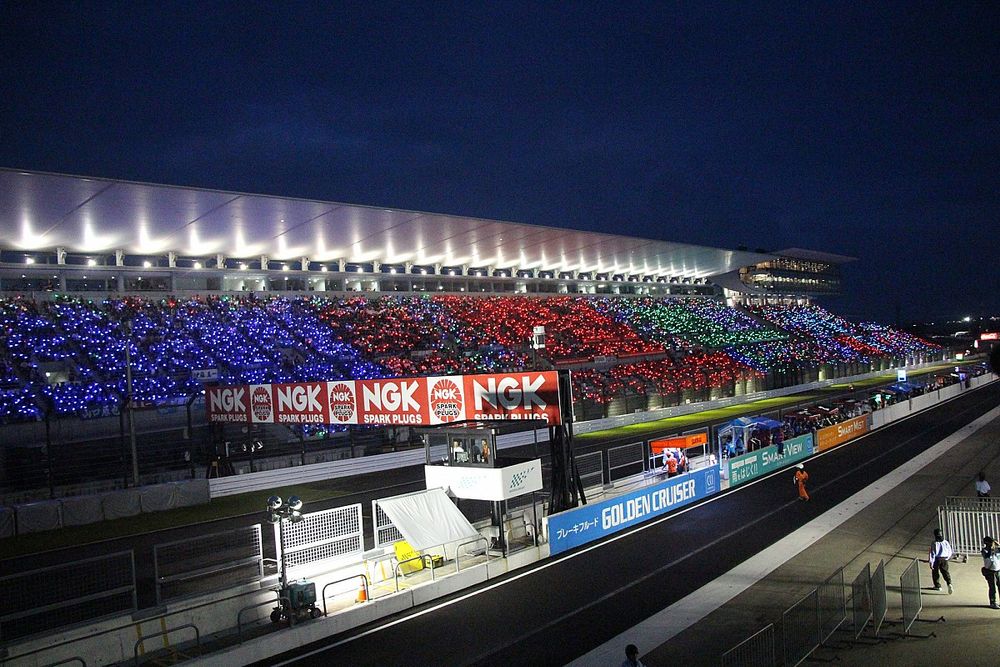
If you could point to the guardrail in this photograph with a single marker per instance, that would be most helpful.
(364, 584)
(486, 550)
(239, 615)
(430, 565)
(757, 650)
(197, 638)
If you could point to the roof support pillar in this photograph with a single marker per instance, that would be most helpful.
(60, 255)
(220, 261)
(341, 265)
(304, 263)
(172, 259)
(119, 257)
(263, 263)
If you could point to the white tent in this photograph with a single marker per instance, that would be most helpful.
(427, 518)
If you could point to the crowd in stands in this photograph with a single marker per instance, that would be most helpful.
(68, 355)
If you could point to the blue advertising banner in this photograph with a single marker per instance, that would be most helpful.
(592, 522)
(762, 461)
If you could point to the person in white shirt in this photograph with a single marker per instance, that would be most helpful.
(940, 553)
(982, 486)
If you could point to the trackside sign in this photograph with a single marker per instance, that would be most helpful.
(592, 522)
(392, 401)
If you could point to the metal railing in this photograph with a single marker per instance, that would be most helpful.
(879, 603)
(421, 557)
(77, 592)
(208, 563)
(831, 604)
(162, 633)
(630, 458)
(458, 549)
(364, 585)
(909, 589)
(757, 650)
(590, 467)
(239, 615)
(965, 520)
(800, 629)
(861, 600)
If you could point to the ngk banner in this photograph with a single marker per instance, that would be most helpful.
(392, 401)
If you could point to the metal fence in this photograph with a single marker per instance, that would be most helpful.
(626, 460)
(831, 604)
(385, 530)
(321, 536)
(208, 563)
(754, 651)
(861, 600)
(909, 590)
(965, 520)
(590, 467)
(879, 604)
(42, 600)
(800, 629)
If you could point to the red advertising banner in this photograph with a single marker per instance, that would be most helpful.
(392, 401)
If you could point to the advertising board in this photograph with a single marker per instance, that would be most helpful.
(420, 401)
(762, 461)
(581, 525)
(486, 483)
(831, 436)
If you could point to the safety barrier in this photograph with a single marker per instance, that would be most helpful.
(966, 520)
(590, 468)
(831, 604)
(364, 587)
(74, 593)
(861, 600)
(163, 633)
(320, 537)
(626, 460)
(213, 562)
(800, 629)
(756, 650)
(879, 604)
(909, 590)
(276, 602)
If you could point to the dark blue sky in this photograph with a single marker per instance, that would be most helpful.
(870, 130)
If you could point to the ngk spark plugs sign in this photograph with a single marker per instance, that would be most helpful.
(393, 401)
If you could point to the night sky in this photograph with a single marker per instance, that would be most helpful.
(870, 130)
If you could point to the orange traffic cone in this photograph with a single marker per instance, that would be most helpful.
(362, 593)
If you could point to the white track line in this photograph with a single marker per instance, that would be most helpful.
(684, 613)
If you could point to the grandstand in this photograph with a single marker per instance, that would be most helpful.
(177, 287)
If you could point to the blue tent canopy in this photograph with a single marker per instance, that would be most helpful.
(754, 422)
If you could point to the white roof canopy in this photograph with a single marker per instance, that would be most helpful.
(40, 211)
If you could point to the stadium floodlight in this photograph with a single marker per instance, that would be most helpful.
(274, 502)
(197, 265)
(91, 262)
(29, 260)
(295, 503)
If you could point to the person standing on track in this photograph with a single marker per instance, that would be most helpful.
(991, 568)
(939, 556)
(801, 477)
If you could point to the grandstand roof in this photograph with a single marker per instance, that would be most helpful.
(42, 211)
(815, 256)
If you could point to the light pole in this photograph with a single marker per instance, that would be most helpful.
(299, 598)
(129, 415)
